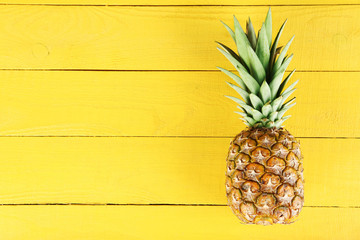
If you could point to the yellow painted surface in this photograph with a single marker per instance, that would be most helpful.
(182, 116)
(182, 38)
(163, 104)
(181, 2)
(167, 222)
(157, 170)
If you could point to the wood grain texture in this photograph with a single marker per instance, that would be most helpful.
(62, 103)
(168, 222)
(182, 2)
(157, 170)
(167, 38)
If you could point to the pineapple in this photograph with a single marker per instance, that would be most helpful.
(264, 174)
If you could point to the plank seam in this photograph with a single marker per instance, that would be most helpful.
(177, 5)
(86, 136)
(152, 70)
(145, 205)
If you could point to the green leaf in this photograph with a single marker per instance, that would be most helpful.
(289, 102)
(276, 103)
(256, 67)
(242, 114)
(270, 124)
(273, 116)
(284, 109)
(268, 26)
(278, 123)
(250, 120)
(281, 56)
(272, 60)
(266, 109)
(256, 101)
(229, 50)
(246, 123)
(285, 81)
(262, 48)
(256, 114)
(229, 30)
(233, 61)
(290, 87)
(274, 46)
(241, 91)
(251, 34)
(275, 83)
(249, 81)
(265, 92)
(286, 117)
(237, 100)
(286, 95)
(241, 42)
(235, 77)
(234, 55)
(245, 107)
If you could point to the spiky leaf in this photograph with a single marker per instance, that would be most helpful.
(268, 26)
(272, 60)
(266, 109)
(275, 83)
(235, 77)
(241, 113)
(273, 116)
(239, 90)
(250, 120)
(282, 85)
(237, 100)
(249, 81)
(274, 45)
(233, 60)
(229, 30)
(256, 114)
(256, 67)
(242, 42)
(262, 47)
(281, 56)
(229, 50)
(284, 109)
(276, 103)
(245, 107)
(251, 34)
(265, 92)
(286, 95)
(290, 87)
(256, 101)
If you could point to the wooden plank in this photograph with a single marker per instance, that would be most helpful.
(182, 2)
(162, 104)
(132, 222)
(168, 38)
(157, 170)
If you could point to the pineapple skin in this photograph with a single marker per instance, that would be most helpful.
(264, 176)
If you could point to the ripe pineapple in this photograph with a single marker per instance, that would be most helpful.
(264, 176)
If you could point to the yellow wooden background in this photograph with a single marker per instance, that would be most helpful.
(113, 123)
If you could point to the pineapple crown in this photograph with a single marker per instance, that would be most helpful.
(261, 66)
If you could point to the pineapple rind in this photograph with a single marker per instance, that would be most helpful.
(264, 176)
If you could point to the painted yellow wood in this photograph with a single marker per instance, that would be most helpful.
(163, 104)
(167, 222)
(157, 170)
(182, 2)
(179, 38)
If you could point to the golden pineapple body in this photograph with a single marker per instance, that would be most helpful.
(264, 176)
